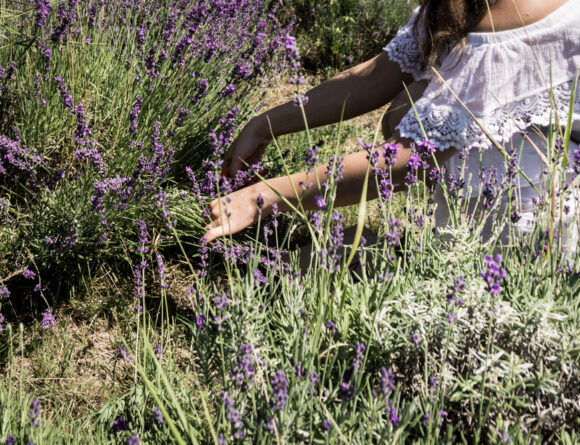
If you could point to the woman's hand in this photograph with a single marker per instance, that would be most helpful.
(353, 92)
(235, 212)
(248, 146)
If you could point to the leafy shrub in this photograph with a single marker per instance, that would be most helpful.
(333, 35)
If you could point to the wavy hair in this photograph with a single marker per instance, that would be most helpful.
(442, 24)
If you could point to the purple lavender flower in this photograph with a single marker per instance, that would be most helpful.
(390, 153)
(140, 38)
(335, 168)
(414, 162)
(29, 274)
(82, 130)
(134, 115)
(93, 9)
(493, 274)
(47, 54)
(313, 378)
(270, 425)
(300, 99)
(415, 339)
(181, 114)
(143, 236)
(335, 241)
(119, 424)
(347, 391)
(441, 414)
(316, 220)
(243, 370)
(233, 416)
(297, 79)
(311, 156)
(433, 380)
(299, 370)
(157, 350)
(387, 381)
(10, 440)
(260, 202)
(23, 159)
(222, 302)
(331, 326)
(43, 10)
(228, 91)
(359, 355)
(576, 161)
(279, 390)
(292, 55)
(47, 319)
(489, 186)
(65, 93)
(386, 190)
(200, 321)
(320, 203)
(393, 235)
(259, 277)
(425, 149)
(91, 153)
(138, 279)
(34, 413)
(434, 178)
(457, 288)
(327, 425)
(161, 271)
(125, 354)
(201, 88)
(133, 440)
(1, 321)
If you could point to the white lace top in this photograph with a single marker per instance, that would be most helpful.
(503, 78)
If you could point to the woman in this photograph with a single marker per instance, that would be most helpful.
(466, 65)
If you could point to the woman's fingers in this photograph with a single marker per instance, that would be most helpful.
(233, 213)
(214, 233)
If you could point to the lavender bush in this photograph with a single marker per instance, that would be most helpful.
(103, 106)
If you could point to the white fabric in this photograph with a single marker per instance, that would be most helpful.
(523, 200)
(503, 78)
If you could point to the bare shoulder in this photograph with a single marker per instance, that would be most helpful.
(510, 14)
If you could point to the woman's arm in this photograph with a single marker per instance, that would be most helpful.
(360, 89)
(242, 207)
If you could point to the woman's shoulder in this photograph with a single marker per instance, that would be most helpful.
(511, 14)
(553, 20)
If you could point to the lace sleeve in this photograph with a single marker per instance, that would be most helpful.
(404, 49)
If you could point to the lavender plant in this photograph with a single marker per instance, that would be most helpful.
(104, 105)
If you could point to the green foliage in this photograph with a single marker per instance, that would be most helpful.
(333, 35)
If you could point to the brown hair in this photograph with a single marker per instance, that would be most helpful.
(442, 24)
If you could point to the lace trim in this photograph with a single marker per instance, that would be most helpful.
(449, 126)
(404, 50)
